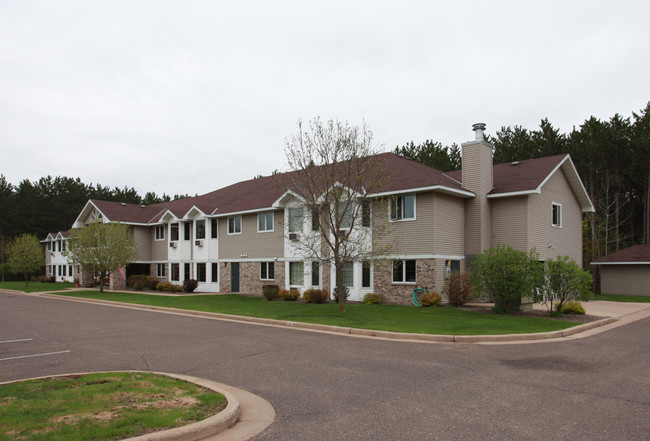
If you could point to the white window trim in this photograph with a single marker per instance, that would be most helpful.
(272, 222)
(171, 272)
(241, 227)
(415, 204)
(392, 271)
(559, 224)
(289, 273)
(155, 232)
(160, 266)
(302, 219)
(266, 263)
(196, 229)
(178, 230)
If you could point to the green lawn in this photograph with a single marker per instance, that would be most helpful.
(105, 406)
(621, 298)
(36, 286)
(445, 320)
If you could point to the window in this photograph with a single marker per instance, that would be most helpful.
(63, 268)
(176, 272)
(347, 274)
(365, 213)
(187, 271)
(49, 246)
(296, 273)
(187, 231)
(59, 270)
(265, 221)
(173, 233)
(59, 244)
(402, 207)
(160, 232)
(315, 218)
(451, 266)
(365, 274)
(266, 271)
(215, 272)
(557, 215)
(346, 210)
(200, 229)
(70, 270)
(404, 271)
(214, 228)
(200, 272)
(315, 273)
(160, 270)
(234, 225)
(295, 220)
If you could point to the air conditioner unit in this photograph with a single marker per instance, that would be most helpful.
(198, 243)
(173, 244)
(342, 233)
(294, 236)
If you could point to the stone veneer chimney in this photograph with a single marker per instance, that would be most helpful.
(477, 178)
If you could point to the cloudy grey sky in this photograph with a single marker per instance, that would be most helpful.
(190, 96)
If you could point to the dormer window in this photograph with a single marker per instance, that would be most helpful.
(200, 229)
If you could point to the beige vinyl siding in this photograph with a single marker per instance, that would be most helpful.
(566, 240)
(250, 242)
(412, 236)
(625, 279)
(449, 229)
(159, 248)
(510, 222)
(477, 177)
(143, 237)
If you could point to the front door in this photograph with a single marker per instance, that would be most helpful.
(234, 277)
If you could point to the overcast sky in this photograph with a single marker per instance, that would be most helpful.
(189, 96)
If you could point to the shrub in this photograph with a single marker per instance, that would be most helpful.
(504, 275)
(314, 296)
(189, 285)
(289, 295)
(270, 291)
(565, 281)
(458, 288)
(430, 299)
(335, 294)
(43, 279)
(135, 278)
(572, 307)
(52, 279)
(372, 299)
(162, 286)
(151, 282)
(138, 285)
(168, 287)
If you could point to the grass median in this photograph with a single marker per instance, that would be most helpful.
(622, 298)
(396, 318)
(102, 406)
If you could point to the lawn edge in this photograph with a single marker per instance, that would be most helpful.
(197, 431)
(358, 332)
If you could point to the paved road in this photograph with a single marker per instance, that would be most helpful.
(330, 387)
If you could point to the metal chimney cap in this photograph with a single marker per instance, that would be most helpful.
(478, 128)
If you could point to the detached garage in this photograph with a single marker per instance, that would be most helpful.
(626, 271)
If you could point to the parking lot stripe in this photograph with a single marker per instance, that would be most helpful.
(34, 355)
(14, 341)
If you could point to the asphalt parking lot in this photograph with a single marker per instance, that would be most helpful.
(333, 387)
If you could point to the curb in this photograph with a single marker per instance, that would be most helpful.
(201, 430)
(358, 332)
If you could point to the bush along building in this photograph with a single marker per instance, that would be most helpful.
(246, 235)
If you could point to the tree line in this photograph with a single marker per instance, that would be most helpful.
(52, 204)
(612, 157)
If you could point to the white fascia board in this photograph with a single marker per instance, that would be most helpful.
(620, 263)
(581, 192)
(278, 203)
(77, 222)
(354, 193)
(194, 208)
(167, 212)
(514, 193)
(159, 215)
(237, 213)
(422, 256)
(441, 188)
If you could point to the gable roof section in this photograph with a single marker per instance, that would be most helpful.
(637, 254)
(529, 176)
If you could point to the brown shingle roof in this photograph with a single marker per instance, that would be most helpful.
(261, 193)
(634, 254)
(524, 176)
